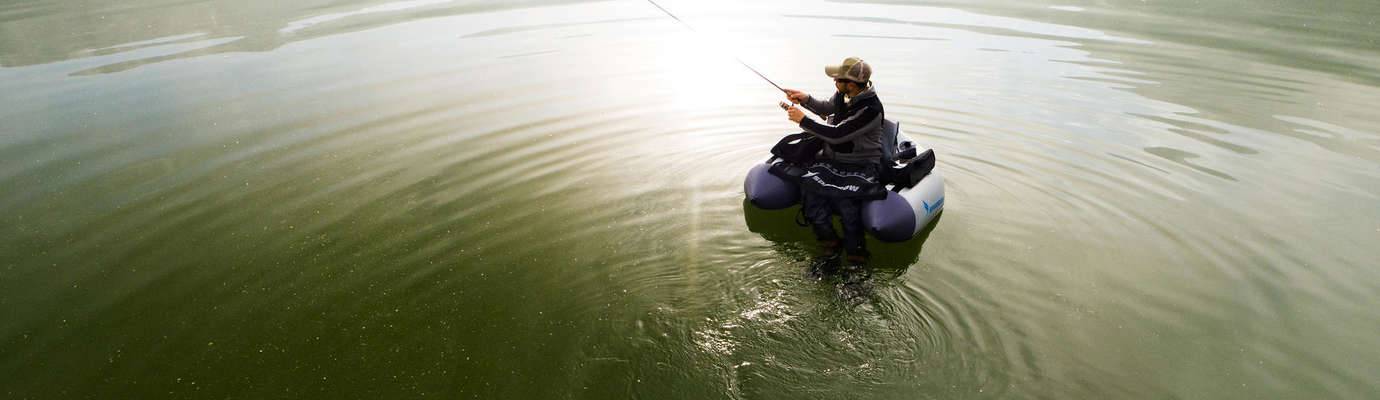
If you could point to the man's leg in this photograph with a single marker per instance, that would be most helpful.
(854, 233)
(819, 213)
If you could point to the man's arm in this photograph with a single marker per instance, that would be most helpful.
(820, 107)
(860, 121)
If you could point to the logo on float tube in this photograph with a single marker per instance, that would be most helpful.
(932, 208)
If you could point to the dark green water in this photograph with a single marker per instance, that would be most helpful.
(470, 199)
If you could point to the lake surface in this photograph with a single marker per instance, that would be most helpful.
(497, 199)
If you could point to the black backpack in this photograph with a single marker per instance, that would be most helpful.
(798, 148)
(905, 174)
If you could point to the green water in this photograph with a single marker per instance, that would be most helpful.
(485, 199)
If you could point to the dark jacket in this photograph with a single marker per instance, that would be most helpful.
(853, 128)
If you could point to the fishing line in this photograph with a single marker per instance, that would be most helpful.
(740, 61)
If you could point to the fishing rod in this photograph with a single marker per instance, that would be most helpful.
(735, 57)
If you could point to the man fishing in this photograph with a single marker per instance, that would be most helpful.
(846, 172)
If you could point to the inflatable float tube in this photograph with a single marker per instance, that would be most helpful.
(896, 218)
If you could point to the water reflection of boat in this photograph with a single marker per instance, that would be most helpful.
(902, 215)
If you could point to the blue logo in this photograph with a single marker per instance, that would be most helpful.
(931, 209)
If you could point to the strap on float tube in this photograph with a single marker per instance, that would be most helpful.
(740, 61)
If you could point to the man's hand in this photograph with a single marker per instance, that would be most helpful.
(796, 96)
(795, 114)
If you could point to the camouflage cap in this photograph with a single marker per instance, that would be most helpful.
(852, 68)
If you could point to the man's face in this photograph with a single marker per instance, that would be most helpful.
(841, 85)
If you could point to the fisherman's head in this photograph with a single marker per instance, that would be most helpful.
(852, 76)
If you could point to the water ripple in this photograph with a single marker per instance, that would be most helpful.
(531, 201)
